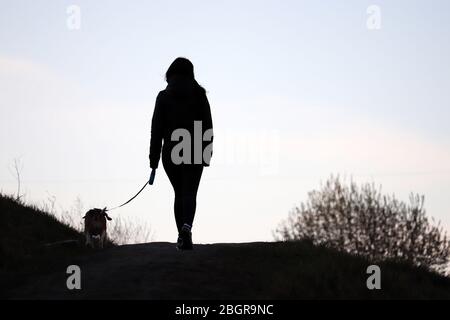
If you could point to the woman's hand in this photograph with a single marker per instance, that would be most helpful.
(152, 177)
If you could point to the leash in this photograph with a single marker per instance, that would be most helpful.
(146, 183)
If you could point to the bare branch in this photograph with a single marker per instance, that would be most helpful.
(17, 168)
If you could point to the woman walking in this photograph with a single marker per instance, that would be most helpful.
(182, 108)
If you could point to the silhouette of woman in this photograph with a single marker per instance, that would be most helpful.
(177, 107)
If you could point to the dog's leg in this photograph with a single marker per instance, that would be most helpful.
(89, 240)
(102, 239)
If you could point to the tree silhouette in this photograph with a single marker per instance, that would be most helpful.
(360, 220)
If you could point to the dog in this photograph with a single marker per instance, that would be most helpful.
(95, 226)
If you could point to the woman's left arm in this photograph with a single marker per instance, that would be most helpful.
(208, 125)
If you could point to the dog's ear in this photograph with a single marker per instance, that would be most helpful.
(105, 214)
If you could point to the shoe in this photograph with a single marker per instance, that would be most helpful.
(184, 241)
(179, 242)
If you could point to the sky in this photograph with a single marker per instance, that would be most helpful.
(299, 90)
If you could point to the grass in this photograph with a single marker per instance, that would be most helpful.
(280, 270)
(300, 270)
(25, 235)
(25, 231)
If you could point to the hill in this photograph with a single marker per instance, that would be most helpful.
(259, 270)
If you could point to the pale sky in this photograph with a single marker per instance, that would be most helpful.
(298, 91)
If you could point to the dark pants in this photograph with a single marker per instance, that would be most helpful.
(185, 180)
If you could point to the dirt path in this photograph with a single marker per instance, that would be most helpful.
(258, 270)
(149, 271)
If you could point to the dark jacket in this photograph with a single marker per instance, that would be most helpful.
(178, 106)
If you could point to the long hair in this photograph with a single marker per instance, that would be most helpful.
(182, 67)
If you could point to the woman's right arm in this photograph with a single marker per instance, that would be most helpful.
(156, 133)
